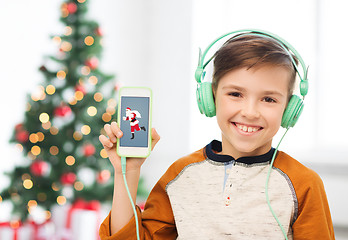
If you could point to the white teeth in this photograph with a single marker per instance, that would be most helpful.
(247, 129)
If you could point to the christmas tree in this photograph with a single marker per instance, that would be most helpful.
(64, 160)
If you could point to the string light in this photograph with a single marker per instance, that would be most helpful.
(81, 1)
(46, 125)
(98, 97)
(70, 160)
(67, 31)
(92, 111)
(57, 39)
(106, 117)
(41, 136)
(42, 196)
(77, 136)
(48, 214)
(55, 187)
(103, 153)
(73, 101)
(61, 75)
(112, 103)
(93, 80)
(14, 224)
(110, 110)
(32, 204)
(66, 46)
(44, 117)
(27, 184)
(89, 40)
(54, 150)
(35, 150)
(64, 10)
(78, 186)
(79, 95)
(33, 138)
(38, 94)
(25, 176)
(85, 129)
(54, 130)
(85, 70)
(19, 147)
(31, 156)
(61, 200)
(50, 89)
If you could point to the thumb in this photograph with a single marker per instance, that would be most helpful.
(155, 138)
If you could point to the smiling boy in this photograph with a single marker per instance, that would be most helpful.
(218, 192)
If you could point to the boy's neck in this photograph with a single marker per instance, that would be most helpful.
(228, 149)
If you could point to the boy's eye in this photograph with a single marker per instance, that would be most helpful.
(235, 94)
(268, 99)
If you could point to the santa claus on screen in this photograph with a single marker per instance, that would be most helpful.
(131, 116)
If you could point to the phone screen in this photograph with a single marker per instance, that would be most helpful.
(134, 121)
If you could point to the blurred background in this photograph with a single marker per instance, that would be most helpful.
(155, 43)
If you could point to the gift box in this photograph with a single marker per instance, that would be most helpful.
(30, 230)
(78, 221)
(16, 231)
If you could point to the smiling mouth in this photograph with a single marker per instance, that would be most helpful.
(247, 129)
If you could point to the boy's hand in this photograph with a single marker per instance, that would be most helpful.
(109, 143)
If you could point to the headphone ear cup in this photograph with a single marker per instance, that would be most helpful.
(292, 112)
(205, 99)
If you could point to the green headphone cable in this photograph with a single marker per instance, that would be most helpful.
(266, 187)
(123, 164)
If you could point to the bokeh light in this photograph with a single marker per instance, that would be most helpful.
(98, 97)
(61, 200)
(85, 129)
(107, 117)
(50, 89)
(89, 40)
(66, 46)
(78, 186)
(54, 130)
(67, 31)
(54, 150)
(79, 95)
(27, 184)
(92, 111)
(103, 153)
(77, 136)
(70, 160)
(61, 75)
(93, 80)
(44, 117)
(33, 138)
(35, 150)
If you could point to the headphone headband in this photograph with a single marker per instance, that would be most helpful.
(284, 44)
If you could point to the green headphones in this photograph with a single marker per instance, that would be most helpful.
(204, 92)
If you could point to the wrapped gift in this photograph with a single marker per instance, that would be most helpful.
(16, 231)
(77, 221)
(42, 231)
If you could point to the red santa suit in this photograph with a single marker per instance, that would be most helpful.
(131, 117)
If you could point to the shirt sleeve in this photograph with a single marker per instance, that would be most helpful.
(155, 222)
(314, 218)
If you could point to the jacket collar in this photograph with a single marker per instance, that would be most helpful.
(212, 152)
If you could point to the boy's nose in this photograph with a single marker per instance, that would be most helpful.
(250, 110)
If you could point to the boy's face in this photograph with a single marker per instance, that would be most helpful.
(249, 108)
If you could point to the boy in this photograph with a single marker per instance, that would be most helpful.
(218, 192)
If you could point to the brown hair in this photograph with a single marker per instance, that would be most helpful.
(248, 50)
